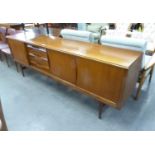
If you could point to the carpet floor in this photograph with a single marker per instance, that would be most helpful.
(37, 103)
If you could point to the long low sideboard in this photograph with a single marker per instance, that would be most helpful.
(106, 73)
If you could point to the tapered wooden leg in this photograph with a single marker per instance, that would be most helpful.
(2, 119)
(22, 70)
(16, 64)
(100, 110)
(151, 73)
(139, 88)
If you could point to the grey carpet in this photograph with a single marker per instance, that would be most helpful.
(36, 102)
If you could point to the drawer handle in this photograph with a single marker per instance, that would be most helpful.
(37, 48)
(38, 58)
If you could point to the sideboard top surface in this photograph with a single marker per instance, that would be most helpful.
(115, 56)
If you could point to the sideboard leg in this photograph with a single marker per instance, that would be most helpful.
(16, 64)
(100, 110)
(22, 70)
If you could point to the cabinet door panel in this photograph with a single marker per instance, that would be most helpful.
(62, 65)
(101, 79)
(18, 50)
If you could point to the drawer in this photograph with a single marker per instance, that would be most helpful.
(37, 52)
(41, 63)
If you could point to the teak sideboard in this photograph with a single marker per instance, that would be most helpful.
(106, 73)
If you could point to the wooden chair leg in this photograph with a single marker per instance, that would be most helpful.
(7, 61)
(100, 110)
(1, 57)
(139, 88)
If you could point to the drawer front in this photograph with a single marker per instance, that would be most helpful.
(38, 62)
(37, 53)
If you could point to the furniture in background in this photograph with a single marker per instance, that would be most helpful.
(140, 45)
(3, 126)
(97, 29)
(112, 26)
(31, 26)
(27, 26)
(44, 25)
(136, 27)
(148, 34)
(4, 48)
(82, 26)
(63, 25)
(78, 35)
(121, 29)
(108, 74)
(3, 43)
(146, 71)
(56, 32)
(7, 53)
(16, 26)
(3, 33)
(124, 42)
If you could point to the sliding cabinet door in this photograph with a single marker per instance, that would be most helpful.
(62, 65)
